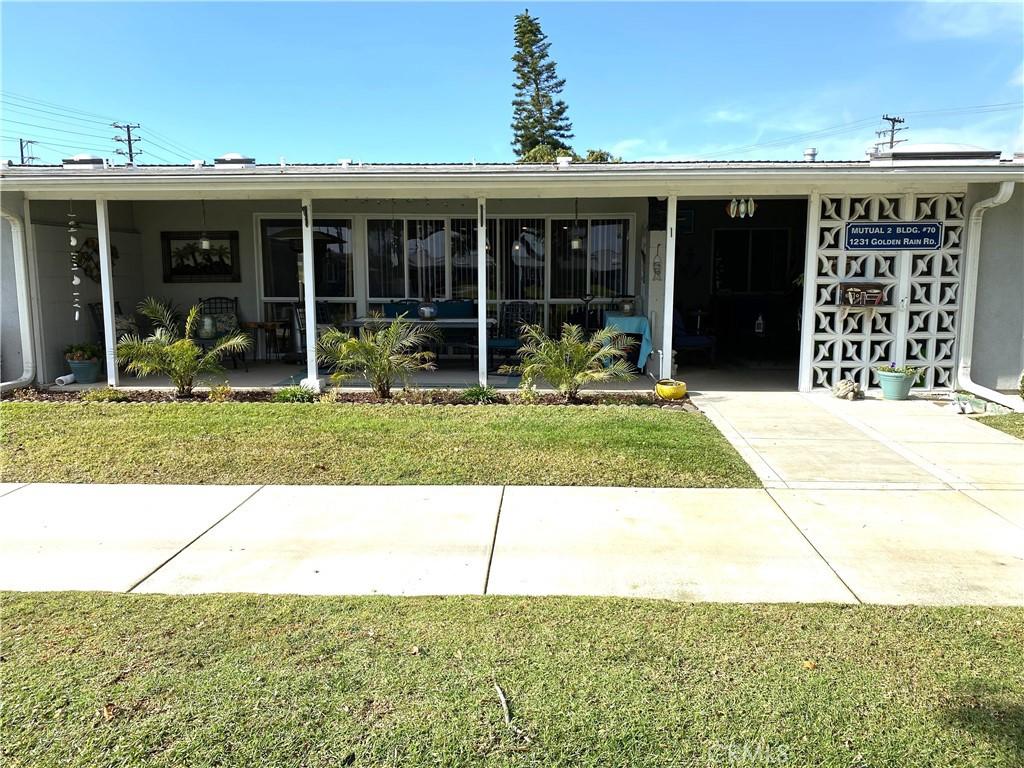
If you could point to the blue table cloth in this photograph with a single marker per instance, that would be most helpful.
(632, 324)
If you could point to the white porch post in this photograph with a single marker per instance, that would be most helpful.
(670, 287)
(481, 289)
(312, 380)
(107, 292)
(807, 318)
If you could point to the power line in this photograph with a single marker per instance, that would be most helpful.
(58, 130)
(191, 153)
(128, 139)
(105, 118)
(170, 145)
(843, 128)
(22, 146)
(26, 108)
(892, 130)
(167, 149)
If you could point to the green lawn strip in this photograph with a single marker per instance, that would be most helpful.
(1010, 423)
(364, 445)
(105, 680)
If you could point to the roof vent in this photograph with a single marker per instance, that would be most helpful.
(84, 161)
(234, 160)
(810, 154)
(563, 161)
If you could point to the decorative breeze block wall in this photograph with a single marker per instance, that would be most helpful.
(916, 322)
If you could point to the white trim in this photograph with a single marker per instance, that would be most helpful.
(20, 255)
(481, 289)
(312, 380)
(107, 291)
(39, 335)
(807, 317)
(668, 311)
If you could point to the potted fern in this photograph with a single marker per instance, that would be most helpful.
(897, 380)
(84, 361)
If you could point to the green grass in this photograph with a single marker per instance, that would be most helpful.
(1010, 423)
(364, 445)
(115, 680)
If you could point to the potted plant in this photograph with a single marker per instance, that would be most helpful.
(896, 380)
(84, 362)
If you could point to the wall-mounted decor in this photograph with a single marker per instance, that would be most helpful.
(861, 294)
(89, 257)
(186, 261)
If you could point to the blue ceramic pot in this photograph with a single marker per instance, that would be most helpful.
(86, 371)
(895, 386)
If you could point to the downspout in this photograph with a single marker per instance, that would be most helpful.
(963, 373)
(28, 358)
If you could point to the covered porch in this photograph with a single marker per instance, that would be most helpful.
(267, 265)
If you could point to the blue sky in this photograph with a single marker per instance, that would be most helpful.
(314, 82)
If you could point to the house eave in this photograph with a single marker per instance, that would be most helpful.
(272, 182)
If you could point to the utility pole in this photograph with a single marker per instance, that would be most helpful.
(128, 139)
(892, 130)
(24, 144)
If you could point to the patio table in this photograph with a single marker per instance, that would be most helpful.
(632, 324)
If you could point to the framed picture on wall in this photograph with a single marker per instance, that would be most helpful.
(186, 261)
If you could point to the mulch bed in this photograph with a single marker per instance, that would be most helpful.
(399, 397)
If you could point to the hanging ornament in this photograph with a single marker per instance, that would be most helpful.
(76, 301)
(743, 209)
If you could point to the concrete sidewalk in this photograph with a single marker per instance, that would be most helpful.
(782, 544)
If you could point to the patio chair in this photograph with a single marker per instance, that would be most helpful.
(298, 331)
(513, 316)
(123, 324)
(686, 338)
(226, 319)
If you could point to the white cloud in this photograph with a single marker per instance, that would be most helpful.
(997, 131)
(960, 21)
(727, 116)
(1018, 77)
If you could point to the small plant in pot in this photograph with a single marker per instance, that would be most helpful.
(897, 380)
(84, 362)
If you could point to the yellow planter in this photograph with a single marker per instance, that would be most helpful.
(670, 389)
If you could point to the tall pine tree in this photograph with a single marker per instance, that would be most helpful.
(538, 116)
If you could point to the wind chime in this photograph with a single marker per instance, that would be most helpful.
(76, 279)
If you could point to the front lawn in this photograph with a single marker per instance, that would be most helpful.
(1010, 423)
(364, 445)
(115, 680)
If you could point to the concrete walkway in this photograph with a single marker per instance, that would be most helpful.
(938, 545)
(814, 441)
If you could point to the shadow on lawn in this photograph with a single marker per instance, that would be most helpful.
(987, 712)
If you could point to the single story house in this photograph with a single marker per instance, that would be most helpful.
(826, 269)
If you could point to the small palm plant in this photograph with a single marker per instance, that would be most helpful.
(382, 352)
(173, 354)
(572, 361)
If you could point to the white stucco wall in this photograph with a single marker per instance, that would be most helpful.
(998, 354)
